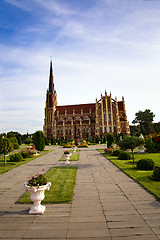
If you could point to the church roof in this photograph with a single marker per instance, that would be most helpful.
(77, 108)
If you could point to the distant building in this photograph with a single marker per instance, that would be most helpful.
(106, 115)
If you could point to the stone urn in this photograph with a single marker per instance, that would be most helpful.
(37, 195)
(74, 149)
(67, 156)
(70, 154)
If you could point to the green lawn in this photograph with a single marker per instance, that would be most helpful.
(11, 165)
(63, 180)
(74, 157)
(142, 177)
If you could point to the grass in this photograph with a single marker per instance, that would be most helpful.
(142, 177)
(11, 165)
(63, 180)
(74, 157)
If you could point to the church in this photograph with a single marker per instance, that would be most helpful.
(83, 121)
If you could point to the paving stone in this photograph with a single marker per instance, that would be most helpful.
(88, 233)
(126, 224)
(45, 233)
(51, 219)
(87, 219)
(130, 232)
(156, 229)
(48, 226)
(120, 212)
(104, 197)
(139, 237)
(153, 223)
(13, 226)
(149, 210)
(11, 234)
(89, 225)
(121, 218)
(151, 216)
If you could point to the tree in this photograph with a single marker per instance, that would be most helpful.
(110, 139)
(131, 143)
(144, 119)
(52, 140)
(28, 141)
(39, 140)
(6, 146)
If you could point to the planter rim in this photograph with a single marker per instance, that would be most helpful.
(37, 187)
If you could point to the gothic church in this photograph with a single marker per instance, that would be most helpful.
(106, 115)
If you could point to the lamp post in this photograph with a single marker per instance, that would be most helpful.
(4, 150)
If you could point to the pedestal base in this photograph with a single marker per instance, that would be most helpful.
(67, 162)
(37, 210)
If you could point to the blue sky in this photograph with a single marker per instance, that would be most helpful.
(95, 45)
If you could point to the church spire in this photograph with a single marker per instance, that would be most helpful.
(51, 80)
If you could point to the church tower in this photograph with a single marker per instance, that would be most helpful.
(51, 103)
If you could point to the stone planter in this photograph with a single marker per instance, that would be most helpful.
(70, 154)
(66, 156)
(37, 195)
(74, 149)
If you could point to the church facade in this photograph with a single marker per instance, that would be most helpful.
(83, 121)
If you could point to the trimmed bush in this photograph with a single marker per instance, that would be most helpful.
(28, 141)
(83, 145)
(145, 164)
(25, 154)
(17, 157)
(156, 174)
(116, 152)
(67, 145)
(124, 156)
(39, 140)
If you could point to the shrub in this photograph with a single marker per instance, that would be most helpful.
(108, 150)
(150, 145)
(25, 154)
(39, 140)
(145, 164)
(28, 140)
(67, 145)
(16, 146)
(124, 156)
(116, 152)
(110, 139)
(156, 174)
(17, 157)
(31, 152)
(83, 145)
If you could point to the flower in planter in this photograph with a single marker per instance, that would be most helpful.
(66, 152)
(38, 180)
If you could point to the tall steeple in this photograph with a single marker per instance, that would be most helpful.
(51, 80)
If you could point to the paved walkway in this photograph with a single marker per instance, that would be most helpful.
(107, 205)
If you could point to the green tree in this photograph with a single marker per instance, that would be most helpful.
(39, 140)
(28, 141)
(19, 140)
(131, 143)
(52, 140)
(6, 146)
(110, 139)
(156, 127)
(144, 120)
